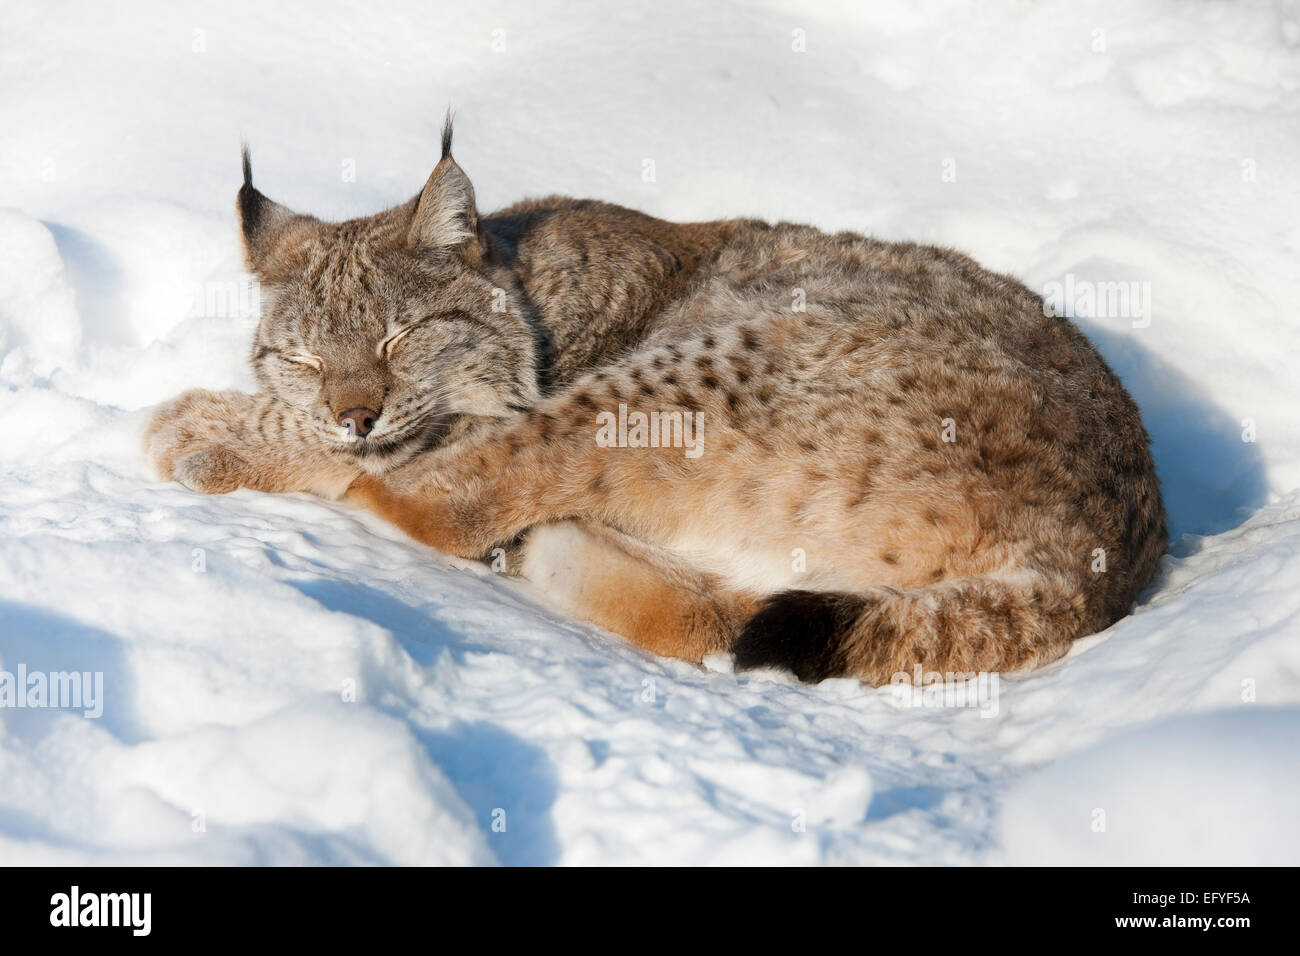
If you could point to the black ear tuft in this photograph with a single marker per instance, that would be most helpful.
(249, 200)
(800, 631)
(446, 133)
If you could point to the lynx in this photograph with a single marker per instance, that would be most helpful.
(905, 463)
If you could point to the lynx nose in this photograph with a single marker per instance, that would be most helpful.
(361, 420)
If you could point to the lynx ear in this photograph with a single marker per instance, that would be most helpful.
(445, 219)
(271, 231)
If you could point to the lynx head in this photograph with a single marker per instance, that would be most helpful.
(383, 329)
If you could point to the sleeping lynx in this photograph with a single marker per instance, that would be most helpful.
(825, 453)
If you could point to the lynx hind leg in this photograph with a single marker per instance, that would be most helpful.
(598, 575)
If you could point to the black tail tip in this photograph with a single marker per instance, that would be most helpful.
(799, 631)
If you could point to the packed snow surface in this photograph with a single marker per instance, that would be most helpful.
(284, 680)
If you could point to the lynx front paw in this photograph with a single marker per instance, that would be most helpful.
(191, 440)
(213, 470)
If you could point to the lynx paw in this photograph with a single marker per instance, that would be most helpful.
(213, 470)
(190, 439)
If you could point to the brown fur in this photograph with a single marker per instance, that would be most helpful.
(625, 587)
(825, 431)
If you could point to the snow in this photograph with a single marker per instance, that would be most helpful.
(1213, 789)
(289, 681)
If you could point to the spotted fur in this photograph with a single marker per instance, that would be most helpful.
(905, 462)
